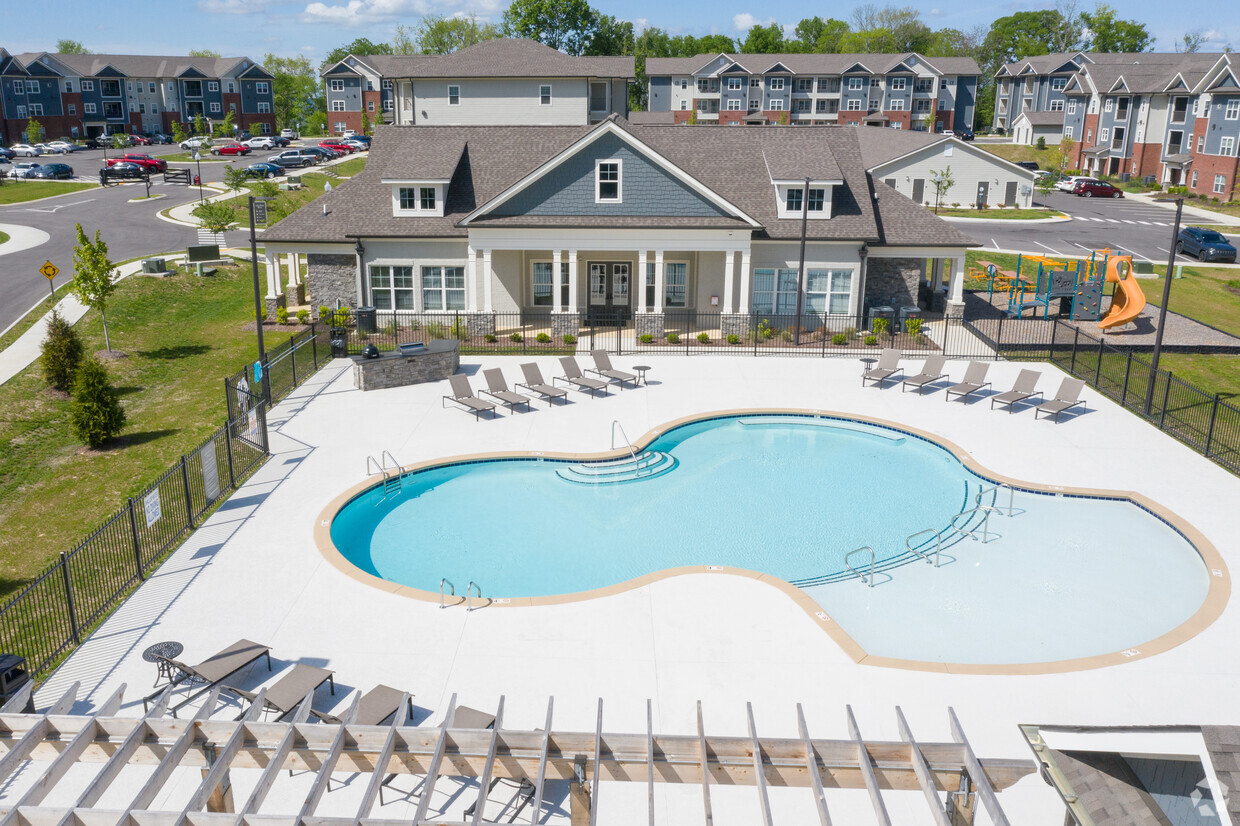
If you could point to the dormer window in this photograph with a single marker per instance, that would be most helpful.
(415, 199)
(607, 181)
(794, 197)
(792, 201)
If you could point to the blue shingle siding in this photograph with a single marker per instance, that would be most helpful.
(660, 95)
(1219, 127)
(966, 93)
(646, 189)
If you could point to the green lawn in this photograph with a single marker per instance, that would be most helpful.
(1045, 158)
(17, 192)
(23, 325)
(350, 167)
(182, 334)
(1000, 214)
(3, 237)
(188, 157)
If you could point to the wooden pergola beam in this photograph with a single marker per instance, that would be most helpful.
(867, 771)
(811, 762)
(923, 772)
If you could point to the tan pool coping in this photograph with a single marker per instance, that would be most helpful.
(1211, 608)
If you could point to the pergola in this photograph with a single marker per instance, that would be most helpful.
(588, 760)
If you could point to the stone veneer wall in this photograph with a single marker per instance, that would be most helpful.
(398, 371)
(892, 282)
(331, 277)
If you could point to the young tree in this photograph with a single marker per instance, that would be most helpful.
(178, 133)
(1191, 42)
(95, 413)
(942, 181)
(62, 353)
(567, 25)
(1045, 185)
(224, 129)
(235, 178)
(1066, 147)
(200, 124)
(203, 53)
(1110, 34)
(215, 216)
(365, 122)
(34, 131)
(70, 47)
(93, 281)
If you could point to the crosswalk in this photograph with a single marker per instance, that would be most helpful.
(1120, 221)
(207, 237)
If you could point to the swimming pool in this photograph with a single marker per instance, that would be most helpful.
(789, 496)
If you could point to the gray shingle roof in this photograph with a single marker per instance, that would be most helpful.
(809, 64)
(881, 145)
(140, 65)
(650, 118)
(504, 57)
(1043, 118)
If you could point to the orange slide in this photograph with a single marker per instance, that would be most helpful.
(1128, 301)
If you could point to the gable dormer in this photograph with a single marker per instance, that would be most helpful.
(418, 198)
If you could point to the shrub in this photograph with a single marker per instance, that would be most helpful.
(282, 315)
(733, 338)
(435, 330)
(62, 353)
(490, 338)
(881, 326)
(646, 338)
(764, 330)
(543, 338)
(303, 316)
(570, 339)
(703, 338)
(912, 326)
(955, 205)
(325, 314)
(839, 339)
(870, 341)
(516, 338)
(1041, 143)
(95, 413)
(341, 317)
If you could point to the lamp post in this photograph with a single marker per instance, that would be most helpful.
(801, 263)
(1166, 296)
(258, 306)
(198, 161)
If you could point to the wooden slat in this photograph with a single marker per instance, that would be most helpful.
(34, 735)
(596, 775)
(99, 784)
(276, 763)
(324, 777)
(223, 759)
(17, 702)
(984, 789)
(923, 772)
(171, 760)
(759, 770)
(867, 771)
(705, 764)
(432, 771)
(811, 762)
(376, 777)
(484, 782)
(650, 760)
(542, 765)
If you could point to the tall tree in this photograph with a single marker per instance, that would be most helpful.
(612, 38)
(93, 282)
(203, 53)
(71, 47)
(567, 25)
(402, 40)
(1191, 42)
(294, 86)
(1108, 33)
(689, 46)
(360, 46)
(821, 36)
(1068, 32)
(436, 34)
(1020, 35)
(764, 40)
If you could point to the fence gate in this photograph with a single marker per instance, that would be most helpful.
(247, 414)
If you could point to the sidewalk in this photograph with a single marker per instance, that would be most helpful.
(1192, 214)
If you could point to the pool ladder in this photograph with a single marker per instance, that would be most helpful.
(390, 473)
(469, 593)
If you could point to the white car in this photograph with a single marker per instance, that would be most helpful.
(25, 150)
(21, 170)
(195, 143)
(261, 142)
(358, 146)
(1069, 183)
(288, 133)
(62, 147)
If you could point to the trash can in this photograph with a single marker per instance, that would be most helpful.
(365, 319)
(14, 675)
(339, 342)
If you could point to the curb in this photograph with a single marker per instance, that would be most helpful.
(1063, 219)
(148, 200)
(48, 198)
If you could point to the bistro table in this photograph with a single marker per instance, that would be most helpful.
(867, 364)
(159, 654)
(641, 372)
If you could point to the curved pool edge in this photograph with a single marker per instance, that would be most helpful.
(1211, 608)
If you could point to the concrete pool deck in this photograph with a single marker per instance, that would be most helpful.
(253, 571)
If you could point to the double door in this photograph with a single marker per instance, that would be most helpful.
(610, 290)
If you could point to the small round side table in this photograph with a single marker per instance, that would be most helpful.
(159, 654)
(641, 372)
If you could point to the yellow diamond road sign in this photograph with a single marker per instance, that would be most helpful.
(49, 270)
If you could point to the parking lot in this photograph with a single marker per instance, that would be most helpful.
(86, 163)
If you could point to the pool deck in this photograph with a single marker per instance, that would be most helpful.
(253, 570)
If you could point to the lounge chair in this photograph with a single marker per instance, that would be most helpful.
(974, 380)
(574, 377)
(497, 388)
(1021, 390)
(375, 707)
(459, 717)
(288, 692)
(213, 670)
(931, 372)
(888, 366)
(463, 395)
(535, 384)
(1067, 397)
(602, 367)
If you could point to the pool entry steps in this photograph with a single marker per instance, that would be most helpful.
(645, 465)
(391, 473)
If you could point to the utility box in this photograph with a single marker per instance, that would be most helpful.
(153, 266)
(13, 675)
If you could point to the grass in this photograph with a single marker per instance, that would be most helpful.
(188, 157)
(3, 237)
(1047, 158)
(34, 315)
(350, 167)
(1216, 373)
(182, 335)
(1210, 295)
(16, 193)
(1001, 214)
(1231, 208)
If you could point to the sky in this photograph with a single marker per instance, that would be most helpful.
(254, 28)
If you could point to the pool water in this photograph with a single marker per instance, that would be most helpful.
(790, 496)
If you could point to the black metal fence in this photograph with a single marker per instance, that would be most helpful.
(51, 615)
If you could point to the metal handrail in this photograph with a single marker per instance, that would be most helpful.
(996, 487)
(385, 455)
(972, 532)
(451, 592)
(614, 424)
(469, 589)
(938, 545)
(870, 580)
(372, 462)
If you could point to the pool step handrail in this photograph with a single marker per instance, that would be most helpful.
(451, 591)
(469, 591)
(391, 473)
(870, 580)
(938, 545)
(995, 488)
(986, 511)
(614, 424)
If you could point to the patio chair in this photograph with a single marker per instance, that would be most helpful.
(574, 377)
(375, 708)
(602, 367)
(974, 380)
(1067, 397)
(888, 366)
(463, 395)
(213, 670)
(535, 384)
(497, 388)
(288, 692)
(459, 717)
(1026, 380)
(931, 372)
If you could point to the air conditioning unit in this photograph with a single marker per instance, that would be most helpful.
(1148, 179)
(153, 266)
(1125, 177)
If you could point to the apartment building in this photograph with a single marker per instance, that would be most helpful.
(504, 82)
(86, 95)
(903, 91)
(1168, 118)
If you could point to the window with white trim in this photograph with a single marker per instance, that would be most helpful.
(387, 84)
(684, 105)
(72, 109)
(542, 287)
(775, 84)
(265, 128)
(340, 126)
(336, 85)
(69, 87)
(88, 85)
(1072, 107)
(21, 110)
(898, 84)
(370, 106)
(387, 105)
(1227, 146)
(675, 283)
(1058, 83)
(817, 199)
(36, 110)
(856, 83)
(777, 105)
(827, 291)
(1055, 106)
(755, 82)
(88, 108)
(370, 85)
(734, 104)
(1201, 143)
(607, 184)
(897, 105)
(805, 84)
(1067, 131)
(1093, 106)
(32, 87)
(1220, 183)
(454, 95)
(213, 85)
(1233, 109)
(264, 108)
(854, 105)
(337, 105)
(775, 291)
(544, 94)
(735, 84)
(443, 288)
(230, 87)
(792, 200)
(1194, 180)
(215, 107)
(391, 287)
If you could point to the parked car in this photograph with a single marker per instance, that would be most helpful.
(1068, 182)
(195, 143)
(964, 134)
(159, 137)
(145, 161)
(356, 146)
(1206, 244)
(336, 146)
(1032, 166)
(25, 150)
(264, 169)
(279, 140)
(6, 153)
(57, 147)
(288, 134)
(21, 170)
(100, 142)
(244, 136)
(230, 149)
(124, 169)
(51, 172)
(141, 140)
(293, 158)
(261, 142)
(318, 153)
(1097, 189)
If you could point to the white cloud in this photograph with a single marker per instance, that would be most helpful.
(233, 6)
(365, 12)
(746, 21)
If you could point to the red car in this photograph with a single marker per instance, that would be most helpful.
(142, 140)
(336, 147)
(230, 149)
(1097, 189)
(144, 161)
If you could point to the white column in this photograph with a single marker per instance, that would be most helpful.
(289, 263)
(557, 281)
(956, 292)
(729, 266)
(489, 275)
(745, 290)
(573, 307)
(273, 277)
(658, 281)
(471, 280)
(641, 281)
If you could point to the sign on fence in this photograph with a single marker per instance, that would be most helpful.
(152, 507)
(210, 472)
(251, 434)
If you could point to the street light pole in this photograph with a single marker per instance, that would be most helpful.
(258, 307)
(801, 262)
(1162, 310)
(198, 161)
